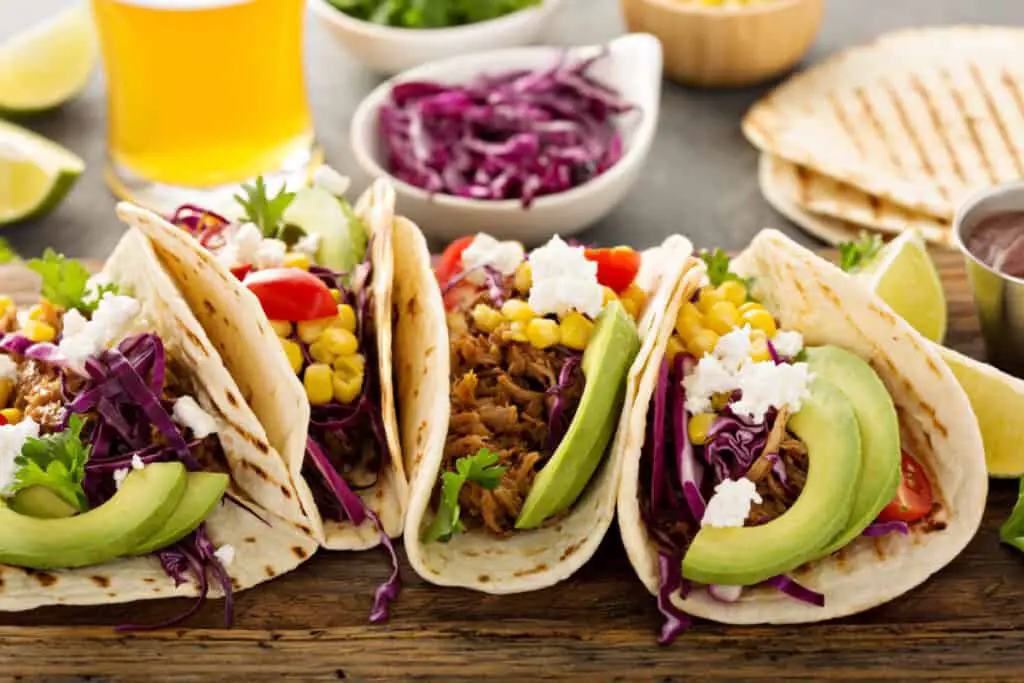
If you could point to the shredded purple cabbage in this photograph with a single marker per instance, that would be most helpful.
(388, 591)
(733, 444)
(776, 358)
(40, 351)
(877, 528)
(794, 590)
(670, 580)
(691, 472)
(558, 421)
(779, 468)
(515, 135)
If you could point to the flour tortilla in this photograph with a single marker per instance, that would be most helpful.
(527, 560)
(937, 425)
(921, 117)
(263, 549)
(236, 323)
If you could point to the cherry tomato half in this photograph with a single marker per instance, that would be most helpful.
(3, 421)
(914, 496)
(450, 263)
(241, 271)
(616, 267)
(291, 294)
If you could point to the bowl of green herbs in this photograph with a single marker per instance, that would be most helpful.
(389, 36)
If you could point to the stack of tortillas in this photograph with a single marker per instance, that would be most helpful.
(894, 134)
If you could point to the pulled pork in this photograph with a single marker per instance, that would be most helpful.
(38, 391)
(778, 496)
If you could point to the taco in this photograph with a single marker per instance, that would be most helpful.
(797, 452)
(512, 374)
(126, 451)
(297, 299)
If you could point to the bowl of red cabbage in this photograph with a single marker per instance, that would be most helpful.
(524, 142)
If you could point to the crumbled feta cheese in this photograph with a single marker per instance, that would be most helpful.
(484, 250)
(12, 438)
(563, 279)
(329, 180)
(137, 463)
(308, 245)
(730, 506)
(246, 242)
(190, 415)
(83, 338)
(119, 477)
(734, 348)
(788, 344)
(225, 554)
(8, 368)
(271, 254)
(710, 377)
(767, 385)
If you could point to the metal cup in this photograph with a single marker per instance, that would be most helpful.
(999, 297)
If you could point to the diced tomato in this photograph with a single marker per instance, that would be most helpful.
(3, 421)
(241, 271)
(914, 496)
(450, 263)
(616, 267)
(291, 294)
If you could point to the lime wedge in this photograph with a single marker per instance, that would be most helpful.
(49, 63)
(903, 275)
(35, 173)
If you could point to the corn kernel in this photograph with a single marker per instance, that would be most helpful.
(674, 348)
(318, 381)
(733, 292)
(516, 331)
(339, 342)
(486, 318)
(750, 306)
(722, 317)
(456, 323)
(720, 401)
(336, 293)
(38, 331)
(310, 330)
(703, 342)
(6, 389)
(609, 295)
(699, 426)
(630, 307)
(37, 312)
(346, 390)
(349, 367)
(346, 319)
(320, 353)
(517, 310)
(523, 277)
(12, 415)
(542, 332)
(689, 311)
(760, 320)
(759, 350)
(282, 328)
(294, 353)
(6, 304)
(708, 297)
(687, 328)
(296, 259)
(575, 330)
(635, 294)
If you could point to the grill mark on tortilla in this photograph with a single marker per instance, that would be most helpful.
(270, 572)
(412, 306)
(45, 579)
(881, 313)
(971, 123)
(844, 122)
(209, 307)
(429, 351)
(542, 567)
(483, 578)
(936, 119)
(922, 154)
(803, 187)
(876, 207)
(235, 584)
(569, 550)
(993, 111)
(285, 491)
(149, 580)
(232, 399)
(299, 552)
(879, 129)
(101, 581)
(250, 539)
(196, 341)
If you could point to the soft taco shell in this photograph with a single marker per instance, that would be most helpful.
(527, 560)
(937, 425)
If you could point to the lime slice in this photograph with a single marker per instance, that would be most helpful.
(47, 64)
(903, 275)
(998, 403)
(35, 173)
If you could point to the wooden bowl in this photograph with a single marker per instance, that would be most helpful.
(730, 46)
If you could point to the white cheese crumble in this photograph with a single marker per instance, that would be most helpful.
(12, 439)
(563, 279)
(190, 415)
(484, 250)
(788, 344)
(137, 463)
(93, 284)
(271, 253)
(710, 377)
(119, 477)
(83, 338)
(308, 245)
(225, 554)
(730, 506)
(246, 242)
(734, 348)
(8, 368)
(329, 180)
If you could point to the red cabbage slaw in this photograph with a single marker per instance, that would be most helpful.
(515, 135)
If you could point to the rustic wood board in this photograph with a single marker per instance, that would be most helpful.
(967, 623)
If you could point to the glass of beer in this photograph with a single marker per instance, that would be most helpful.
(203, 95)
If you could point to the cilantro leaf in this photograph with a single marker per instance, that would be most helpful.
(66, 282)
(57, 462)
(855, 255)
(7, 253)
(717, 262)
(1012, 531)
(480, 468)
(262, 210)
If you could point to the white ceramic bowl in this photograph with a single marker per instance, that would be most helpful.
(388, 50)
(633, 67)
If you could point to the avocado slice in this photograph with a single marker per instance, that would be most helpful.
(203, 490)
(879, 435)
(606, 360)
(41, 502)
(342, 237)
(142, 505)
(742, 556)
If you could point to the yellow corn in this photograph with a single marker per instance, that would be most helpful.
(703, 342)
(37, 312)
(687, 328)
(517, 310)
(523, 277)
(456, 323)
(609, 295)
(542, 333)
(486, 318)
(720, 400)
(12, 415)
(6, 389)
(310, 330)
(699, 426)
(346, 390)
(296, 259)
(674, 348)
(516, 331)
(575, 330)
(631, 308)
(294, 354)
(759, 350)
(708, 297)
(346, 319)
(750, 306)
(6, 304)
(734, 292)
(347, 380)
(636, 295)
(339, 342)
(348, 367)
(336, 293)
(318, 381)
(320, 353)
(38, 331)
(761, 320)
(282, 328)
(722, 317)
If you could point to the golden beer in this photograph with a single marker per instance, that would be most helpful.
(204, 93)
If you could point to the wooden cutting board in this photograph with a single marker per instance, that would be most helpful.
(966, 623)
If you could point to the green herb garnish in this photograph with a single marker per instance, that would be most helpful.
(1012, 531)
(56, 462)
(7, 253)
(430, 13)
(66, 283)
(480, 468)
(717, 263)
(267, 212)
(855, 255)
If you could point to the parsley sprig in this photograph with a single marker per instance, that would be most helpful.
(1012, 531)
(717, 263)
(267, 212)
(7, 253)
(56, 462)
(66, 283)
(480, 468)
(855, 255)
